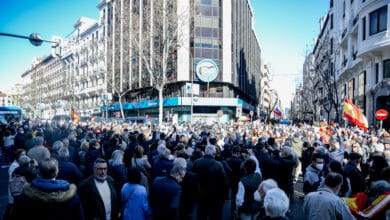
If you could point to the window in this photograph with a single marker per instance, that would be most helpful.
(376, 73)
(386, 69)
(331, 21)
(361, 84)
(364, 28)
(331, 3)
(378, 20)
(351, 88)
(344, 9)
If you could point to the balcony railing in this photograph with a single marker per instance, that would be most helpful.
(354, 55)
(345, 62)
(355, 20)
(344, 33)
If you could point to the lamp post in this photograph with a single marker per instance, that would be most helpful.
(35, 39)
(192, 86)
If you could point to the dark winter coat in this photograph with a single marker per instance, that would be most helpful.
(165, 198)
(49, 199)
(213, 182)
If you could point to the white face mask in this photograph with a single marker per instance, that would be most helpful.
(319, 166)
(257, 196)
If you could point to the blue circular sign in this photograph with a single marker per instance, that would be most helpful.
(207, 70)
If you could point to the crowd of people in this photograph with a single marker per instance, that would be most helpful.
(192, 171)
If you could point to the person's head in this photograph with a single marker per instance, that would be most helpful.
(94, 143)
(84, 146)
(56, 146)
(179, 161)
(134, 175)
(163, 151)
(178, 172)
(249, 166)
(334, 181)
(24, 161)
(38, 141)
(18, 153)
(276, 203)
(285, 151)
(317, 161)
(48, 168)
(63, 154)
(335, 166)
(355, 157)
(138, 152)
(210, 150)
(264, 187)
(117, 157)
(100, 169)
(65, 141)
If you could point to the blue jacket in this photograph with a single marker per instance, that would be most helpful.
(165, 197)
(135, 202)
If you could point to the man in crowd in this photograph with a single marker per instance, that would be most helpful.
(213, 185)
(99, 194)
(165, 194)
(48, 198)
(325, 204)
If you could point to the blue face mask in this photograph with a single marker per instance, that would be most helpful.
(319, 166)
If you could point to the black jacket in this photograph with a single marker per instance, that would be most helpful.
(48, 199)
(213, 182)
(93, 203)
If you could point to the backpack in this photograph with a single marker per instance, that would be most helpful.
(16, 184)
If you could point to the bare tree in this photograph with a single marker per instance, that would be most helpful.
(143, 48)
(324, 67)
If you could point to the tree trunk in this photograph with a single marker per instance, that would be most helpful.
(160, 105)
(121, 107)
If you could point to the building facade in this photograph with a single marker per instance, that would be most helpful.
(352, 50)
(207, 49)
(214, 48)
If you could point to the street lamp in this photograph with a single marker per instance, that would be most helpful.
(35, 39)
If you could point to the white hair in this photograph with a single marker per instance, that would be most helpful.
(210, 150)
(63, 153)
(162, 151)
(57, 145)
(268, 184)
(180, 162)
(116, 157)
(276, 203)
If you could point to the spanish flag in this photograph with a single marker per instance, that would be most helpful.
(74, 116)
(354, 115)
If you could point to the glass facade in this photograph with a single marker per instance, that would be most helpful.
(207, 27)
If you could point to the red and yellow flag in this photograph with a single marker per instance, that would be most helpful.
(354, 115)
(74, 116)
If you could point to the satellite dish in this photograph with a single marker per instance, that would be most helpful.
(35, 39)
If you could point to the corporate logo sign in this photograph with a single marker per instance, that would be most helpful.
(207, 70)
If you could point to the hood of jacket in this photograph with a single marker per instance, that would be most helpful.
(54, 191)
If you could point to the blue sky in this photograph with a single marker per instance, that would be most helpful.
(285, 28)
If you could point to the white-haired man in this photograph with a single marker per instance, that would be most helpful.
(276, 204)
